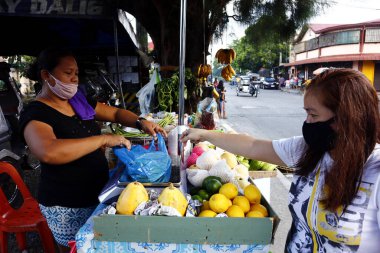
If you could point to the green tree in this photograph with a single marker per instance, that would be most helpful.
(251, 57)
(280, 18)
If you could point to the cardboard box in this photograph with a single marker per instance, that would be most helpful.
(187, 230)
(256, 174)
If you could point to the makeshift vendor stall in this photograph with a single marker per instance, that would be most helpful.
(124, 233)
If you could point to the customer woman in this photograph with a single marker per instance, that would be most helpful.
(61, 129)
(334, 198)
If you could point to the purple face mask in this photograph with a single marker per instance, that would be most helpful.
(63, 90)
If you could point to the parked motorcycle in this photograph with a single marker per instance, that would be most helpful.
(12, 147)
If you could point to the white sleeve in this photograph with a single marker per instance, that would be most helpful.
(377, 199)
(289, 150)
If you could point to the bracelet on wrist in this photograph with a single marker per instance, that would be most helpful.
(138, 123)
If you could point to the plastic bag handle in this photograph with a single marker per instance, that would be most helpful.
(161, 143)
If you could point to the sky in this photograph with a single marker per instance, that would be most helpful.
(343, 11)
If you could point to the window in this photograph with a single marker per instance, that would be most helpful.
(300, 47)
(372, 35)
(339, 38)
(312, 44)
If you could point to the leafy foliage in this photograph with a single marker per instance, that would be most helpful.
(21, 63)
(252, 57)
(276, 18)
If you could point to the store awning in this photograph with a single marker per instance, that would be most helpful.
(87, 27)
(337, 58)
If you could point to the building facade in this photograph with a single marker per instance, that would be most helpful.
(355, 46)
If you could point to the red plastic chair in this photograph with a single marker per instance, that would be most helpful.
(27, 218)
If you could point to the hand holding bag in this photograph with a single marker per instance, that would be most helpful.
(152, 165)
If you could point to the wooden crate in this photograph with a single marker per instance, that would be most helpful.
(187, 230)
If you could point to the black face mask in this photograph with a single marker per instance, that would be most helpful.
(319, 135)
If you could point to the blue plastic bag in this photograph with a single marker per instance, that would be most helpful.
(145, 165)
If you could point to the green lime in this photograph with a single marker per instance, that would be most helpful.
(203, 194)
(194, 190)
(209, 178)
(197, 197)
(212, 186)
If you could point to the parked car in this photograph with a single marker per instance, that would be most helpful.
(268, 83)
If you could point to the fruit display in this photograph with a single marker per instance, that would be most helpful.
(255, 164)
(205, 161)
(260, 165)
(220, 199)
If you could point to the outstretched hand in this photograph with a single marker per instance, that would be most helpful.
(193, 135)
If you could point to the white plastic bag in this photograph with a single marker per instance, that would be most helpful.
(146, 93)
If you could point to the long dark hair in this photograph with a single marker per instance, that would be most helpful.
(354, 101)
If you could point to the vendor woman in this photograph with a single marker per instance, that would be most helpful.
(61, 130)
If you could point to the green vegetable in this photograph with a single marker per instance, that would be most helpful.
(167, 120)
(119, 131)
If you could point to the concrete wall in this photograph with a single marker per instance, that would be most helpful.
(340, 50)
(371, 48)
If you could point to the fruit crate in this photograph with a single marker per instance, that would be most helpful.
(187, 230)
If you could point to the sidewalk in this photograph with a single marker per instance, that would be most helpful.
(294, 91)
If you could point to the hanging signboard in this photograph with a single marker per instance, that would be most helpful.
(54, 8)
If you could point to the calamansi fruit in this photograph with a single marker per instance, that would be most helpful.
(197, 197)
(212, 185)
(260, 208)
(252, 193)
(205, 206)
(203, 194)
(254, 214)
(219, 203)
(242, 202)
(207, 213)
(235, 211)
(229, 190)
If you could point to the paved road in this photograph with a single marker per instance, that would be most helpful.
(273, 114)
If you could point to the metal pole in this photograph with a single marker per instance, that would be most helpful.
(182, 52)
(204, 35)
(181, 102)
(116, 40)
